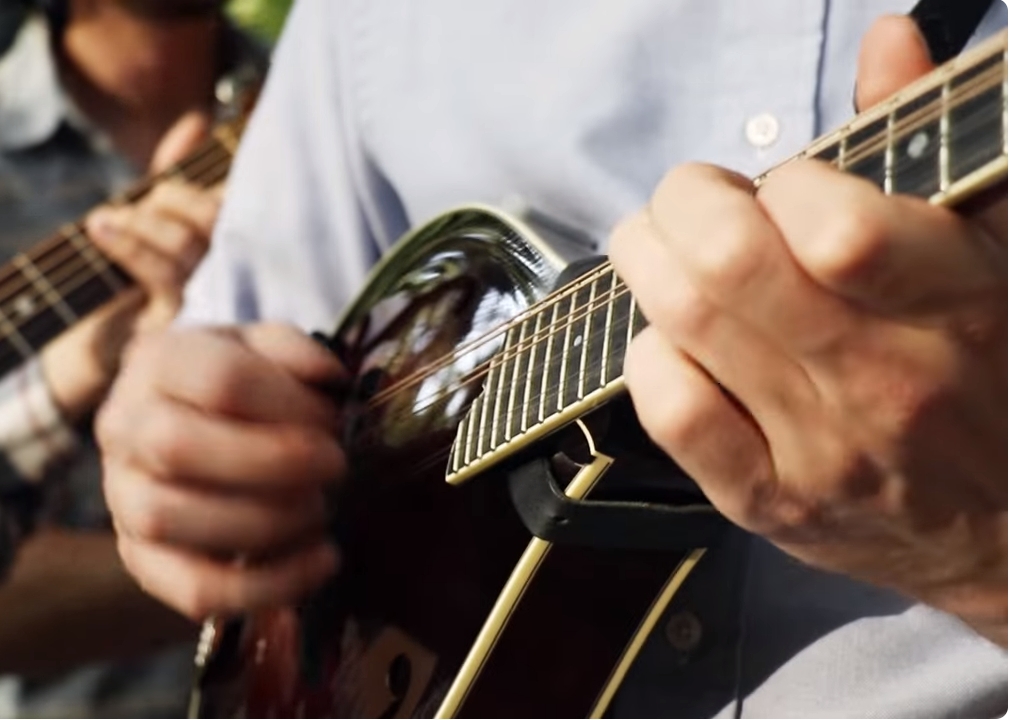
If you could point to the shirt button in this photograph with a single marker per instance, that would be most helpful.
(762, 130)
(683, 631)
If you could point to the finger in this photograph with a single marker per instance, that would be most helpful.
(188, 516)
(181, 140)
(199, 587)
(686, 413)
(892, 55)
(894, 255)
(111, 229)
(197, 207)
(181, 244)
(177, 442)
(736, 257)
(218, 373)
(768, 383)
(297, 353)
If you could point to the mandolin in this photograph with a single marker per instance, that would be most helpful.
(504, 551)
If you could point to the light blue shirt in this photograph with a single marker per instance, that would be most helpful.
(381, 113)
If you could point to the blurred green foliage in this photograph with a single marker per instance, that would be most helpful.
(262, 17)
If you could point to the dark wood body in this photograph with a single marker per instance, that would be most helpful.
(425, 561)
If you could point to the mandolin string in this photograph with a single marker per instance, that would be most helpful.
(74, 263)
(906, 127)
(545, 304)
(500, 359)
(198, 163)
(583, 311)
(897, 132)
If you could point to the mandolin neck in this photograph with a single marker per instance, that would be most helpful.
(943, 138)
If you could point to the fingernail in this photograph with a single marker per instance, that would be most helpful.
(102, 224)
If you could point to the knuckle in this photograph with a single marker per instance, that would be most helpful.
(145, 519)
(166, 440)
(310, 449)
(683, 311)
(221, 387)
(733, 257)
(849, 249)
(196, 600)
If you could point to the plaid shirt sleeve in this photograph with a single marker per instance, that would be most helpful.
(33, 438)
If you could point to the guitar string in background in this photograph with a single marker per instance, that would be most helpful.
(897, 132)
(58, 268)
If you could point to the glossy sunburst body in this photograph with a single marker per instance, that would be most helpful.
(445, 604)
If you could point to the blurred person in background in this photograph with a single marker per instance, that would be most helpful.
(94, 94)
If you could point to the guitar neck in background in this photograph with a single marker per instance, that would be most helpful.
(48, 288)
(943, 138)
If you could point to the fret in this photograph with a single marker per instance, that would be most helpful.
(566, 345)
(917, 149)
(843, 151)
(522, 357)
(488, 398)
(975, 120)
(632, 306)
(944, 139)
(49, 293)
(830, 154)
(94, 258)
(532, 372)
(607, 323)
(867, 156)
(619, 332)
(889, 156)
(548, 356)
(587, 334)
(12, 334)
(470, 453)
(506, 355)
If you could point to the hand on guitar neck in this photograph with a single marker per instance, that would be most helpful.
(159, 241)
(829, 363)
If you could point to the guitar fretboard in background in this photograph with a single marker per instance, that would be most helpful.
(941, 139)
(48, 288)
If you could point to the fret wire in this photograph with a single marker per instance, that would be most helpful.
(843, 145)
(586, 336)
(53, 299)
(564, 355)
(485, 407)
(90, 253)
(9, 331)
(945, 138)
(547, 361)
(631, 326)
(529, 380)
(471, 422)
(509, 411)
(606, 328)
(889, 157)
(498, 393)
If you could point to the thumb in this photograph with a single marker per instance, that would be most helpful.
(181, 140)
(892, 55)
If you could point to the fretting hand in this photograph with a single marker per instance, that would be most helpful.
(829, 363)
(159, 241)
